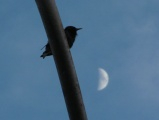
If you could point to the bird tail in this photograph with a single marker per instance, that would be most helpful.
(42, 56)
(46, 53)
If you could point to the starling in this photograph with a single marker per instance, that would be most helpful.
(71, 33)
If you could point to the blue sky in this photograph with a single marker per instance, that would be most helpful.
(118, 36)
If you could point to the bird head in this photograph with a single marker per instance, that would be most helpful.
(72, 29)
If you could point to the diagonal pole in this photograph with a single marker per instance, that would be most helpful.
(63, 59)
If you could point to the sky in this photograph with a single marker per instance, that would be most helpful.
(118, 36)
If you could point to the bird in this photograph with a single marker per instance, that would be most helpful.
(71, 33)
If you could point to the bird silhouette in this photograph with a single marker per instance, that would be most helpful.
(71, 33)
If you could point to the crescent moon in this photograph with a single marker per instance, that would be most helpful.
(103, 79)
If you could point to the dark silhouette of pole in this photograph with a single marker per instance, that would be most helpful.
(63, 59)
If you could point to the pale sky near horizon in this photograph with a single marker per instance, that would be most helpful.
(121, 37)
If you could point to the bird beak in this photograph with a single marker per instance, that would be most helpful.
(78, 28)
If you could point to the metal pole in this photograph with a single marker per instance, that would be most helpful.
(63, 59)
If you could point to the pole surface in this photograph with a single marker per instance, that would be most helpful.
(63, 59)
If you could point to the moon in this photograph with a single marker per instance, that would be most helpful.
(103, 79)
